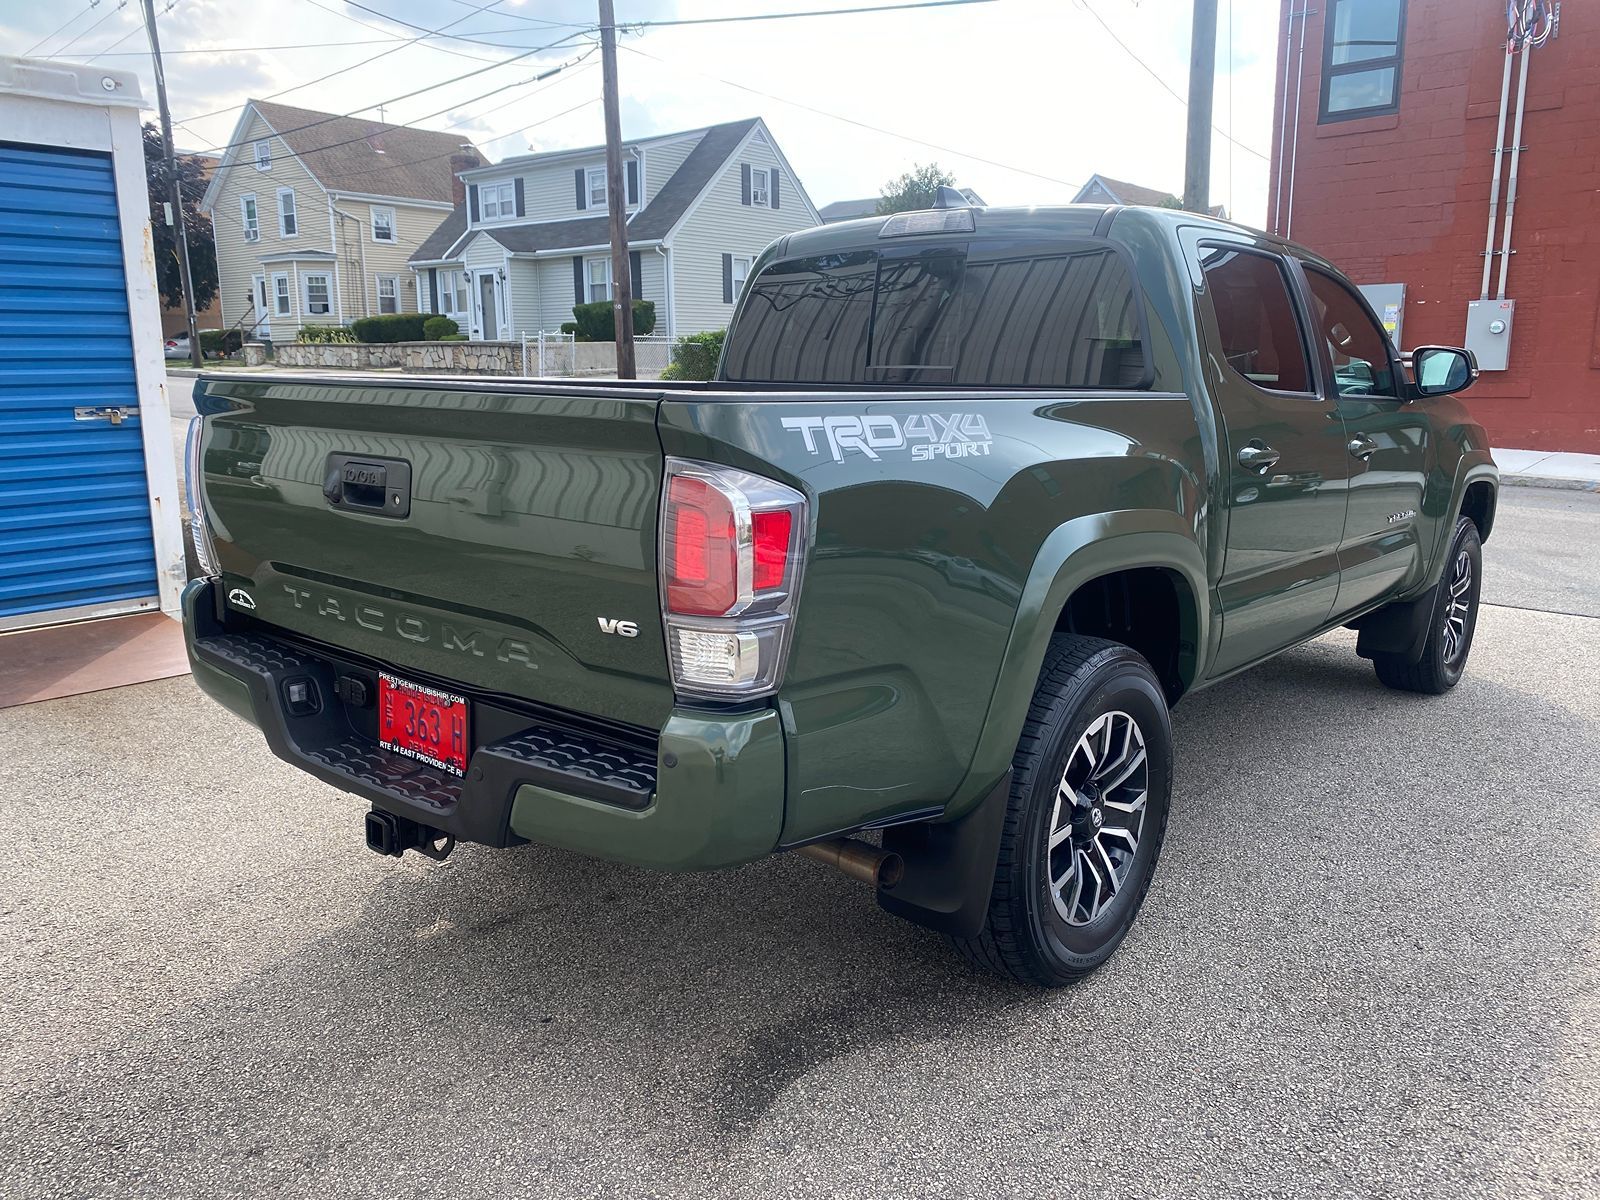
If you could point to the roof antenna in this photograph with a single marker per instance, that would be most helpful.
(948, 197)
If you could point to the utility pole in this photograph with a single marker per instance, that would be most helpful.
(181, 235)
(616, 199)
(1202, 83)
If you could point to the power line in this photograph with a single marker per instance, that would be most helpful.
(816, 12)
(344, 16)
(390, 100)
(822, 112)
(1151, 71)
(171, 4)
(556, 70)
(87, 8)
(165, 53)
(374, 58)
(121, 4)
(457, 36)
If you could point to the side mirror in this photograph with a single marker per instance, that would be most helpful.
(1441, 370)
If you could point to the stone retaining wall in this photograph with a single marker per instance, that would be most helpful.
(475, 358)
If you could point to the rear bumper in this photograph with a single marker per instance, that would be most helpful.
(712, 796)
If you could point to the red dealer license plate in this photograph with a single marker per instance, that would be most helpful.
(423, 723)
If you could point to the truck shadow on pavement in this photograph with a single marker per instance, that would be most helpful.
(1351, 931)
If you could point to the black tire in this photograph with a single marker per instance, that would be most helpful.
(1444, 652)
(1026, 935)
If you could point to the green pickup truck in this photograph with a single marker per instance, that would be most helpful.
(976, 497)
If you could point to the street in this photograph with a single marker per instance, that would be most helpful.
(1368, 966)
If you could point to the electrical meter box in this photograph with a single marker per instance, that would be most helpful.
(1489, 332)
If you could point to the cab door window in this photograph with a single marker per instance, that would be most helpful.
(1255, 316)
(1358, 347)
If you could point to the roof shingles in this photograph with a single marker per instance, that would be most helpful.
(353, 154)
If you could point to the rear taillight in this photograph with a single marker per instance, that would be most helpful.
(204, 553)
(732, 548)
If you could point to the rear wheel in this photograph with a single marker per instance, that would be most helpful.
(1090, 791)
(1450, 625)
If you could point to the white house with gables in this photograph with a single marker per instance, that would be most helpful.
(315, 215)
(531, 238)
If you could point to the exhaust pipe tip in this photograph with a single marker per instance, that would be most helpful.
(859, 860)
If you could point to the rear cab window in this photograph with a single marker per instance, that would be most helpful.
(1006, 315)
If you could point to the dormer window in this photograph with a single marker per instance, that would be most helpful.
(597, 187)
(263, 155)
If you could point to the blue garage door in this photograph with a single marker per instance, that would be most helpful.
(75, 535)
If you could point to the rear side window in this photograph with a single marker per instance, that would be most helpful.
(1256, 319)
(1063, 318)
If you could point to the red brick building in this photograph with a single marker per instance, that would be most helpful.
(1389, 168)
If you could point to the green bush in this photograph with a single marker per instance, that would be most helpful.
(596, 324)
(218, 341)
(436, 329)
(696, 356)
(569, 327)
(451, 337)
(325, 335)
(391, 327)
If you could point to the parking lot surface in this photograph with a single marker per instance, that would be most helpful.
(1367, 967)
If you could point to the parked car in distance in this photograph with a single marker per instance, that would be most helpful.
(976, 496)
(178, 346)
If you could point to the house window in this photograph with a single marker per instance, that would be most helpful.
(497, 200)
(388, 293)
(758, 187)
(249, 219)
(596, 178)
(288, 222)
(317, 294)
(280, 295)
(453, 293)
(741, 272)
(263, 155)
(1361, 51)
(599, 279)
(382, 224)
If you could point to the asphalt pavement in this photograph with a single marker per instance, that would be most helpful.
(1367, 967)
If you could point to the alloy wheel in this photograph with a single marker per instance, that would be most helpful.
(1457, 609)
(1098, 818)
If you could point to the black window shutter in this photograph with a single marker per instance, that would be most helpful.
(635, 273)
(433, 289)
(727, 268)
(633, 181)
(744, 183)
(472, 201)
(583, 192)
(772, 190)
(521, 208)
(577, 278)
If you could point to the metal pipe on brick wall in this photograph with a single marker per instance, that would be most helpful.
(1511, 180)
(1494, 188)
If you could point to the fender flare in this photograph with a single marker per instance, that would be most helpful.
(1075, 553)
(1472, 468)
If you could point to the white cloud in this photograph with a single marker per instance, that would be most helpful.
(1036, 87)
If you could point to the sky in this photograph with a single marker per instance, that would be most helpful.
(1022, 100)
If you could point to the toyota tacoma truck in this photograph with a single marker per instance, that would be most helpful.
(975, 497)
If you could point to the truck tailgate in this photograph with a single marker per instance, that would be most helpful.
(495, 534)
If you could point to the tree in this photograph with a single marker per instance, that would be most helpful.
(202, 253)
(916, 189)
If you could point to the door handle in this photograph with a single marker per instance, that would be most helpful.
(1363, 447)
(1257, 457)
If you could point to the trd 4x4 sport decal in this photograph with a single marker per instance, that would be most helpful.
(927, 435)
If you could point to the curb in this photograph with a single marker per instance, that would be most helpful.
(1553, 482)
